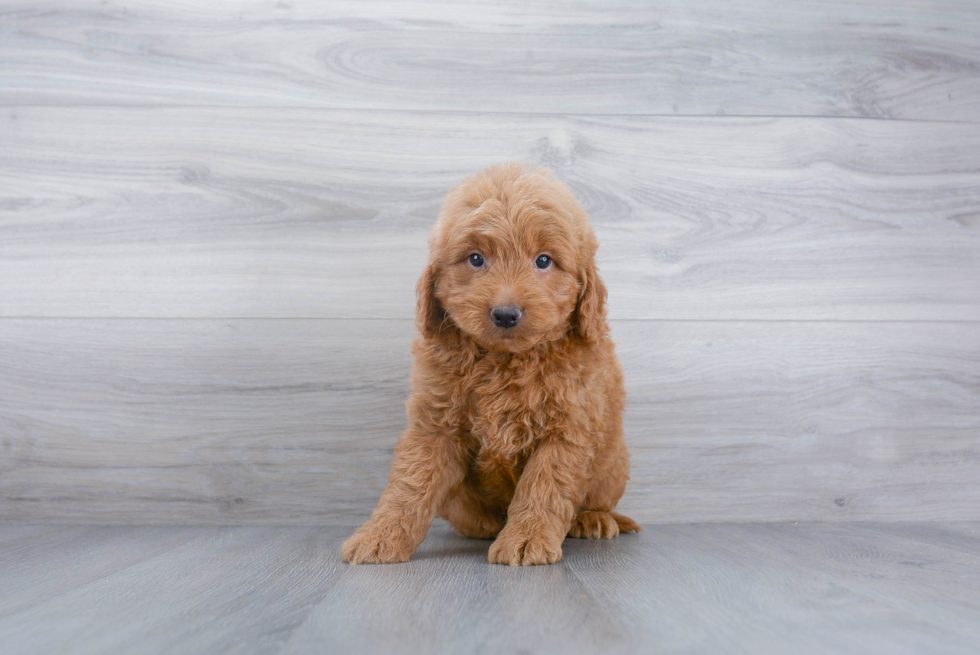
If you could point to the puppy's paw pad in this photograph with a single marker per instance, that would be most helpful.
(594, 525)
(377, 544)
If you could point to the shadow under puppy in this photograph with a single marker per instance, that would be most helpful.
(515, 419)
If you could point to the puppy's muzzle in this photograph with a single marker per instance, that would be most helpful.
(506, 316)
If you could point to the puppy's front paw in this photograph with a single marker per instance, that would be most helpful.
(522, 547)
(378, 543)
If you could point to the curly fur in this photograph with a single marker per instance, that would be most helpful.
(514, 434)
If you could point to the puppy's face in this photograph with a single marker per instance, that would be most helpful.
(508, 280)
(509, 251)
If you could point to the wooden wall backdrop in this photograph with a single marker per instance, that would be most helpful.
(212, 216)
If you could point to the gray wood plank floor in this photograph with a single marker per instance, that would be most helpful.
(778, 588)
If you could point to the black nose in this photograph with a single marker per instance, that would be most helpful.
(506, 316)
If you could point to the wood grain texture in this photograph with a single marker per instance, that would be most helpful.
(757, 588)
(300, 213)
(228, 591)
(35, 567)
(807, 588)
(288, 421)
(916, 59)
(212, 217)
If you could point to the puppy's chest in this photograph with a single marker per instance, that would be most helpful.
(509, 414)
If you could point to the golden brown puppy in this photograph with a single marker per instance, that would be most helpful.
(515, 419)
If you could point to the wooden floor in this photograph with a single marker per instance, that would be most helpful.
(779, 588)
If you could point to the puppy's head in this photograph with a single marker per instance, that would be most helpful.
(512, 263)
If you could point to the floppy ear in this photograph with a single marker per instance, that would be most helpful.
(590, 313)
(429, 314)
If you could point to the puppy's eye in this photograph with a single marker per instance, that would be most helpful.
(543, 261)
(475, 260)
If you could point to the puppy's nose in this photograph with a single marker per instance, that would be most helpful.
(506, 316)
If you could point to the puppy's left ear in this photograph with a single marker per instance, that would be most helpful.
(590, 313)
(429, 314)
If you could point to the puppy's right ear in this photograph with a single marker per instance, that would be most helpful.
(429, 314)
(590, 313)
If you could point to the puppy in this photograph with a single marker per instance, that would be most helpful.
(515, 420)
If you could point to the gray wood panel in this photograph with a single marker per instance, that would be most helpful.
(212, 217)
(301, 213)
(223, 591)
(293, 421)
(914, 59)
(788, 588)
(751, 588)
(35, 569)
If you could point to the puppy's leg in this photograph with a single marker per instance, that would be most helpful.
(610, 471)
(469, 515)
(428, 462)
(544, 504)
